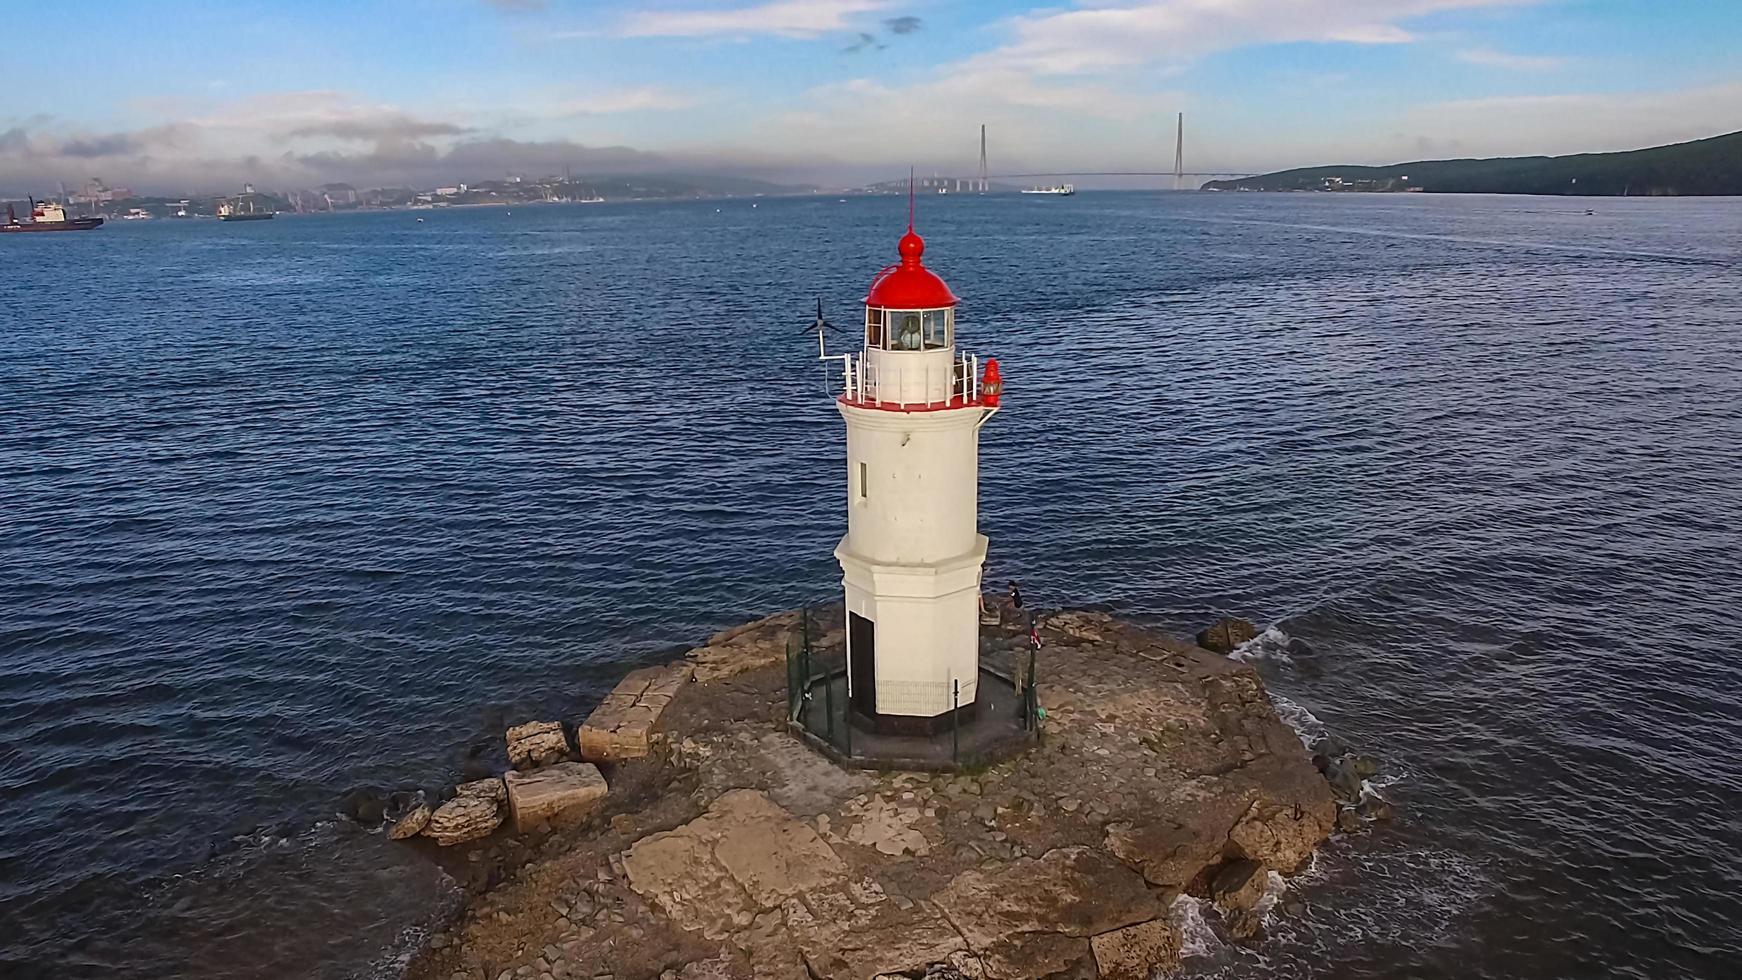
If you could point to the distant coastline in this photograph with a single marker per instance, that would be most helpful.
(1707, 167)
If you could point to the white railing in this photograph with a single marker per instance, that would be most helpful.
(861, 381)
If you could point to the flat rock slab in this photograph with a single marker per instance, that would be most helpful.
(1132, 952)
(744, 856)
(756, 645)
(537, 743)
(623, 724)
(565, 792)
(489, 788)
(1031, 918)
(462, 819)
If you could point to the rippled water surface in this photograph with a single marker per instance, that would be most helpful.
(292, 507)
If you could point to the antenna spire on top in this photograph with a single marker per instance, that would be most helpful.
(910, 198)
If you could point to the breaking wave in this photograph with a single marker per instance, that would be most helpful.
(1298, 717)
(1197, 939)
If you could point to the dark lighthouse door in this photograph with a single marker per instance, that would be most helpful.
(863, 640)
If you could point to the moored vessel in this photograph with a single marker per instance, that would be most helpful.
(235, 212)
(243, 207)
(46, 216)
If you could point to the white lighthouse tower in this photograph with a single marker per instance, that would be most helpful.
(912, 555)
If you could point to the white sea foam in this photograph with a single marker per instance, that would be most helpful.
(1306, 725)
(1271, 645)
(1274, 888)
(1196, 936)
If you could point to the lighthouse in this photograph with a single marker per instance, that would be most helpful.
(912, 556)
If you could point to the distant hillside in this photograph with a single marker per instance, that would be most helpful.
(1702, 167)
(688, 185)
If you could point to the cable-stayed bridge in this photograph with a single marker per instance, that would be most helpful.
(1178, 173)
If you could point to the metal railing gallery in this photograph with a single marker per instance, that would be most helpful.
(861, 381)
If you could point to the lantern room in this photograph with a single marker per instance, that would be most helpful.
(909, 358)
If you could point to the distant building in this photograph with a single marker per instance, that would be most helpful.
(97, 192)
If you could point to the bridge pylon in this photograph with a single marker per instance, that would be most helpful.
(1179, 153)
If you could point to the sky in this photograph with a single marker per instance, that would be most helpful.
(195, 95)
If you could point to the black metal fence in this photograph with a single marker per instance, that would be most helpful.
(1007, 715)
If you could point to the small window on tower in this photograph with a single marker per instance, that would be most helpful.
(864, 482)
(873, 328)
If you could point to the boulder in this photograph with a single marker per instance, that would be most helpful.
(1169, 855)
(462, 819)
(537, 743)
(1225, 634)
(1348, 821)
(1365, 766)
(1344, 779)
(1133, 952)
(565, 792)
(411, 823)
(366, 806)
(1240, 884)
(490, 788)
(1375, 808)
(1283, 836)
(622, 726)
(402, 813)
(1244, 923)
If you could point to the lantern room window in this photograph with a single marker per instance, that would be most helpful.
(935, 329)
(909, 330)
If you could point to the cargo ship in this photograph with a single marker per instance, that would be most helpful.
(47, 217)
(234, 212)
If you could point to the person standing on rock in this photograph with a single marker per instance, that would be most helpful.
(1015, 598)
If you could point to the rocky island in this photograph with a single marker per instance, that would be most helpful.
(702, 839)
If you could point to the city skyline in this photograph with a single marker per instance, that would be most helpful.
(174, 97)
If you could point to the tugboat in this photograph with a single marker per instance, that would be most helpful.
(47, 217)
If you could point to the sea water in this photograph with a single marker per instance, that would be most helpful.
(293, 507)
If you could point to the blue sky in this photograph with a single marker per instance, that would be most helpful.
(183, 94)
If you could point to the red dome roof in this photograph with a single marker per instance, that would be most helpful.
(910, 285)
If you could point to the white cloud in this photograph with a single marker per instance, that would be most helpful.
(317, 114)
(644, 99)
(1078, 86)
(1490, 58)
(1101, 36)
(789, 18)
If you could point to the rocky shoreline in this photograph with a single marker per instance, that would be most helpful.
(696, 838)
